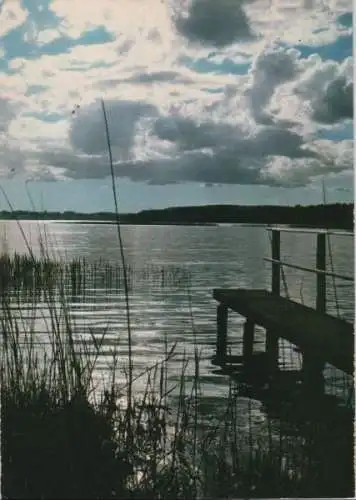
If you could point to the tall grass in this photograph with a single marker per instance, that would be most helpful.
(60, 440)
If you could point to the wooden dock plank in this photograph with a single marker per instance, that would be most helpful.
(322, 335)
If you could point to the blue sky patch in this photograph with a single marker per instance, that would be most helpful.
(45, 117)
(15, 45)
(225, 67)
(217, 90)
(340, 133)
(336, 51)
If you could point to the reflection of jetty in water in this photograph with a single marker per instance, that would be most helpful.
(312, 402)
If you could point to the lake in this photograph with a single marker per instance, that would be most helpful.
(196, 259)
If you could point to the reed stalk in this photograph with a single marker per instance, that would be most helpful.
(122, 255)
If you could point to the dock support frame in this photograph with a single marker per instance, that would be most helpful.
(248, 340)
(221, 341)
(313, 366)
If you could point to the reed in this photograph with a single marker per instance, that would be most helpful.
(20, 273)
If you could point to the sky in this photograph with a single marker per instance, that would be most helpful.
(208, 101)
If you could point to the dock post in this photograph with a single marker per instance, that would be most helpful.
(276, 266)
(320, 277)
(221, 341)
(272, 347)
(272, 352)
(248, 339)
(313, 366)
(312, 374)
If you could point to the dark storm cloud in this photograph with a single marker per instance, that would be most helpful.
(204, 152)
(336, 103)
(269, 140)
(87, 132)
(216, 23)
(328, 90)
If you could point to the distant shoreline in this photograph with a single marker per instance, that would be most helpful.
(328, 216)
(195, 224)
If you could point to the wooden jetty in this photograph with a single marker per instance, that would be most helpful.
(320, 337)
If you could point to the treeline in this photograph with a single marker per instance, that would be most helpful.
(337, 216)
(332, 216)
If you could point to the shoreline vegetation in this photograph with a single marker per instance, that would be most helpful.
(64, 438)
(331, 216)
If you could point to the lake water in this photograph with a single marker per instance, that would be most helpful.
(199, 258)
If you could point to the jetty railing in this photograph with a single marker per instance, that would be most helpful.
(320, 269)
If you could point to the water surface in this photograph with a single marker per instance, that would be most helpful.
(200, 258)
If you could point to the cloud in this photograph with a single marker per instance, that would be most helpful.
(87, 133)
(7, 113)
(271, 68)
(312, 22)
(133, 18)
(207, 22)
(12, 15)
(198, 152)
(189, 135)
(337, 102)
(328, 89)
(228, 23)
(225, 139)
(225, 167)
(214, 23)
(203, 142)
(299, 91)
(206, 112)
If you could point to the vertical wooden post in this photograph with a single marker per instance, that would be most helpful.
(221, 341)
(248, 339)
(272, 350)
(312, 374)
(313, 366)
(320, 277)
(276, 268)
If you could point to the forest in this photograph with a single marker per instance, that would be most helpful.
(333, 216)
